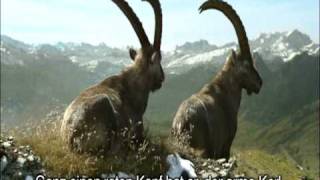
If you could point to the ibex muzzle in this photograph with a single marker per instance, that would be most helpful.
(94, 119)
(209, 117)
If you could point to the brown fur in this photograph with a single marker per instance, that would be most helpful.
(95, 119)
(209, 117)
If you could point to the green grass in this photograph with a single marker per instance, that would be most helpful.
(256, 162)
(295, 136)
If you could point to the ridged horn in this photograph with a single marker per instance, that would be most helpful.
(134, 21)
(232, 15)
(158, 23)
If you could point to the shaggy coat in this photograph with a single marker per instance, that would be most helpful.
(103, 114)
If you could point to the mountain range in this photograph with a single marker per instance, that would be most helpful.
(274, 47)
(282, 118)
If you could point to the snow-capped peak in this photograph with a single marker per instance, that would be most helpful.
(270, 46)
(285, 45)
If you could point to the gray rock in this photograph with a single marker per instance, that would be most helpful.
(232, 160)
(205, 164)
(209, 174)
(223, 173)
(216, 169)
(18, 162)
(21, 161)
(28, 177)
(202, 172)
(30, 158)
(123, 175)
(10, 138)
(6, 144)
(104, 176)
(227, 165)
(239, 175)
(4, 162)
(222, 160)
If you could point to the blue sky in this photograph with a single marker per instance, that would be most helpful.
(95, 21)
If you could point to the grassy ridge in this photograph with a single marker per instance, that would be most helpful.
(148, 159)
(296, 136)
(45, 140)
(256, 162)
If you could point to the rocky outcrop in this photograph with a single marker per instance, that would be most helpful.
(18, 162)
(217, 168)
(201, 168)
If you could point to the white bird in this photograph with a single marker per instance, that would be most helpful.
(180, 167)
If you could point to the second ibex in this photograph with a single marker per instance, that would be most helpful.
(209, 117)
(93, 120)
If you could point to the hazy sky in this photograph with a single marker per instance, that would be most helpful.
(95, 21)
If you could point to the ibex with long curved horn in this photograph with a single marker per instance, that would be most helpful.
(209, 117)
(93, 119)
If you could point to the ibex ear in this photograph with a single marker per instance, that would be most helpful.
(256, 55)
(156, 57)
(233, 56)
(133, 53)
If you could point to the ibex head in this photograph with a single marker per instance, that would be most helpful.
(245, 73)
(241, 62)
(148, 58)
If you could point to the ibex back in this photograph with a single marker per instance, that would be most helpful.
(93, 120)
(209, 117)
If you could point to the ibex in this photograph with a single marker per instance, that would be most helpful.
(209, 117)
(93, 119)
